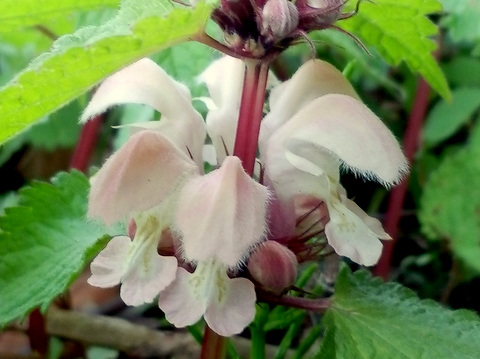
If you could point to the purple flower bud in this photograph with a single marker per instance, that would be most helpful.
(279, 18)
(273, 266)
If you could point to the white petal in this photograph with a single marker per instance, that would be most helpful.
(228, 304)
(144, 82)
(108, 266)
(347, 128)
(147, 278)
(292, 174)
(222, 214)
(224, 79)
(180, 301)
(372, 223)
(233, 308)
(139, 176)
(312, 80)
(350, 237)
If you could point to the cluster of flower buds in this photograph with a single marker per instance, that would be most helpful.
(257, 27)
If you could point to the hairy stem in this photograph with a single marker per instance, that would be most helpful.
(251, 112)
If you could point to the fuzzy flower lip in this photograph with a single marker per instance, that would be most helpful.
(141, 175)
(222, 214)
(333, 120)
(135, 264)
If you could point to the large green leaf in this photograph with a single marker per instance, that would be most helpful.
(44, 242)
(450, 205)
(15, 14)
(369, 319)
(400, 31)
(79, 61)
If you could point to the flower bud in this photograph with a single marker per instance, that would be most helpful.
(273, 266)
(279, 18)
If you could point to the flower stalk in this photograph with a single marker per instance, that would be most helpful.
(214, 346)
(251, 111)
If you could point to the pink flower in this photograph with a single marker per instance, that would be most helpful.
(157, 179)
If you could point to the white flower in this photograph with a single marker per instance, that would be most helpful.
(157, 179)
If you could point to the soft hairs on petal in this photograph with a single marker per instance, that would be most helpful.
(144, 82)
(222, 214)
(312, 80)
(139, 176)
(348, 129)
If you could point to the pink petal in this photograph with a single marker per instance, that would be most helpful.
(222, 214)
(180, 303)
(109, 265)
(139, 176)
(348, 129)
(144, 82)
(234, 309)
(312, 80)
(350, 237)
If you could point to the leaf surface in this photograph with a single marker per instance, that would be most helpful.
(401, 31)
(370, 319)
(45, 241)
(79, 61)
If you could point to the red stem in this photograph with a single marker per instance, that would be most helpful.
(86, 144)
(214, 346)
(251, 112)
(319, 305)
(411, 143)
(37, 333)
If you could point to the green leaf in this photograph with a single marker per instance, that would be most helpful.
(462, 19)
(79, 61)
(446, 118)
(400, 31)
(185, 62)
(45, 242)
(370, 319)
(463, 71)
(15, 14)
(450, 205)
